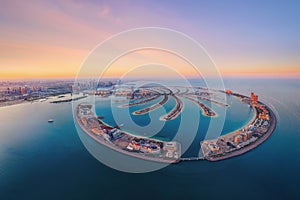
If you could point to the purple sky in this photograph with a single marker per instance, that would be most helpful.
(39, 38)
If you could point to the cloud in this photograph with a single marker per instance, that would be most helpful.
(39, 20)
(104, 11)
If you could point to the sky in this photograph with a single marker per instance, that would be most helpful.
(51, 39)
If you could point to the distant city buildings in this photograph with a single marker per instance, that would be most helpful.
(12, 92)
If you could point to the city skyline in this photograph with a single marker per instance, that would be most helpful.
(257, 39)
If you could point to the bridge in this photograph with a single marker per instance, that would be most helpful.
(191, 159)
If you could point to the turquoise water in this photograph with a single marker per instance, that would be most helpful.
(39, 160)
(237, 115)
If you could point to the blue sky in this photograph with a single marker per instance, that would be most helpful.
(242, 37)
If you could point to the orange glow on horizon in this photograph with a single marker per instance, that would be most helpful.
(30, 75)
(29, 61)
(40, 39)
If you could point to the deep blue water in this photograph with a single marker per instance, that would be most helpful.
(39, 160)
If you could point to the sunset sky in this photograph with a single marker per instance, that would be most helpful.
(51, 39)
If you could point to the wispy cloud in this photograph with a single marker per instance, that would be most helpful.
(104, 11)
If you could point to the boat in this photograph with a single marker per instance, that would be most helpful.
(100, 117)
(50, 120)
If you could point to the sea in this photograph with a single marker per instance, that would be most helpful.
(41, 160)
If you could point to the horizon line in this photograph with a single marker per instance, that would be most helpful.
(250, 76)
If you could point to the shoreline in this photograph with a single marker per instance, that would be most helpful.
(175, 112)
(135, 135)
(115, 148)
(232, 133)
(250, 147)
(204, 108)
(18, 103)
(23, 101)
(225, 152)
(153, 107)
(142, 101)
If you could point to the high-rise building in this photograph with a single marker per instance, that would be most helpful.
(228, 91)
(23, 90)
(254, 98)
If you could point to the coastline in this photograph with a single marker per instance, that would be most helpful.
(230, 134)
(221, 154)
(23, 101)
(206, 110)
(14, 103)
(251, 146)
(179, 106)
(135, 135)
(153, 107)
(111, 146)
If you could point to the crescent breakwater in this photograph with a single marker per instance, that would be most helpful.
(124, 142)
(247, 148)
(254, 133)
(238, 142)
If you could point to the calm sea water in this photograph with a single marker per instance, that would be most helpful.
(39, 160)
(237, 114)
